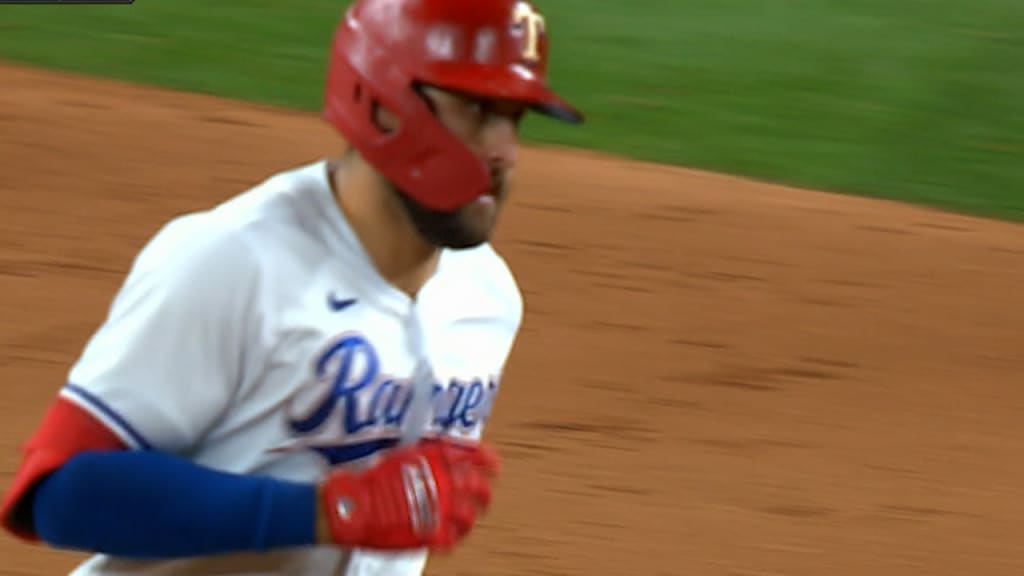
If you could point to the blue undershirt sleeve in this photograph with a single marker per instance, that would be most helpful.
(150, 505)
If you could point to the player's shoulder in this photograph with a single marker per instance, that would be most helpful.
(231, 237)
(286, 197)
(484, 281)
(193, 264)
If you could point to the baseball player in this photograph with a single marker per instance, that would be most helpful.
(296, 380)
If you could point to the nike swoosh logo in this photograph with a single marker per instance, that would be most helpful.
(338, 304)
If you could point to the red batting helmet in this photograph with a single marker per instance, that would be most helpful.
(384, 48)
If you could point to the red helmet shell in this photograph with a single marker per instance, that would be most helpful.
(384, 48)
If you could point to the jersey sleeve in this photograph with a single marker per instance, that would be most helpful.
(66, 430)
(166, 361)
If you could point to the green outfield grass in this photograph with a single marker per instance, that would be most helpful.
(915, 100)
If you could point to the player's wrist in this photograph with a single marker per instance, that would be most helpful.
(322, 528)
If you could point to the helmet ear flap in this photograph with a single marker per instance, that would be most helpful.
(383, 118)
(394, 129)
(380, 116)
(419, 89)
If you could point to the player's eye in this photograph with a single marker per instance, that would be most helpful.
(478, 108)
(514, 111)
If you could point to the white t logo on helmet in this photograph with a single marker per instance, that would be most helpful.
(533, 25)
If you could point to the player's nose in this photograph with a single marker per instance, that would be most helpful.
(501, 143)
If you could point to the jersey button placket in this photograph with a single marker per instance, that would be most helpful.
(420, 416)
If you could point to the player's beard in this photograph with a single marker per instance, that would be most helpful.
(466, 227)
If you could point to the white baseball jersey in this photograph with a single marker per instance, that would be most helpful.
(258, 338)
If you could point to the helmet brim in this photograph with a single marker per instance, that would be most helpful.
(516, 82)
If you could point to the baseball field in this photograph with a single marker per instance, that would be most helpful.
(774, 288)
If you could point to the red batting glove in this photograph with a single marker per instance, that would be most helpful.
(424, 496)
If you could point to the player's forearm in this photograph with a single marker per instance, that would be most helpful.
(152, 505)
